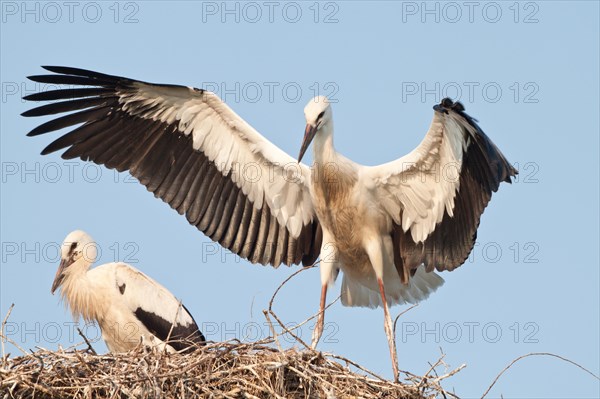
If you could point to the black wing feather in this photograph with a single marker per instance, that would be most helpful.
(163, 159)
(68, 93)
(181, 337)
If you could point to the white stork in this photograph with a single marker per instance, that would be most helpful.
(386, 227)
(128, 306)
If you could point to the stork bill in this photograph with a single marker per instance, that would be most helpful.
(129, 307)
(388, 228)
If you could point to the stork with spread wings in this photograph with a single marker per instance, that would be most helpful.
(387, 228)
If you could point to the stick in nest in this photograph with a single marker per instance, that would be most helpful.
(90, 348)
(2, 329)
(173, 323)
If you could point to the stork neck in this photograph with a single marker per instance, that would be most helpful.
(323, 148)
(77, 289)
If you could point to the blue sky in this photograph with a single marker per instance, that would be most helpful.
(528, 71)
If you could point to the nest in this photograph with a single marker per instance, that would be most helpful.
(231, 369)
(216, 370)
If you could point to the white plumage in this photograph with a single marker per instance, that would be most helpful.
(386, 227)
(129, 306)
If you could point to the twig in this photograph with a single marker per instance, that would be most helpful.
(266, 313)
(431, 369)
(536, 354)
(451, 373)
(395, 359)
(400, 314)
(287, 330)
(288, 279)
(39, 359)
(173, 323)
(433, 382)
(2, 329)
(358, 366)
(315, 315)
(13, 342)
(90, 348)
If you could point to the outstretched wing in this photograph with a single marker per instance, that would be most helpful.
(192, 151)
(437, 193)
(156, 308)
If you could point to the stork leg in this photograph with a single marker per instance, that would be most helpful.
(389, 331)
(376, 250)
(320, 318)
(328, 267)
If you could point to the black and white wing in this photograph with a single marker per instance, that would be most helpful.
(192, 151)
(155, 308)
(437, 193)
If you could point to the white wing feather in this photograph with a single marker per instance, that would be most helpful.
(417, 188)
(143, 292)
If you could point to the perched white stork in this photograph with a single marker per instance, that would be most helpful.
(128, 306)
(386, 227)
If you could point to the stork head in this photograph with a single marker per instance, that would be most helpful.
(78, 250)
(317, 113)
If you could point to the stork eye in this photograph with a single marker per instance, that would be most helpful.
(320, 115)
(72, 248)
